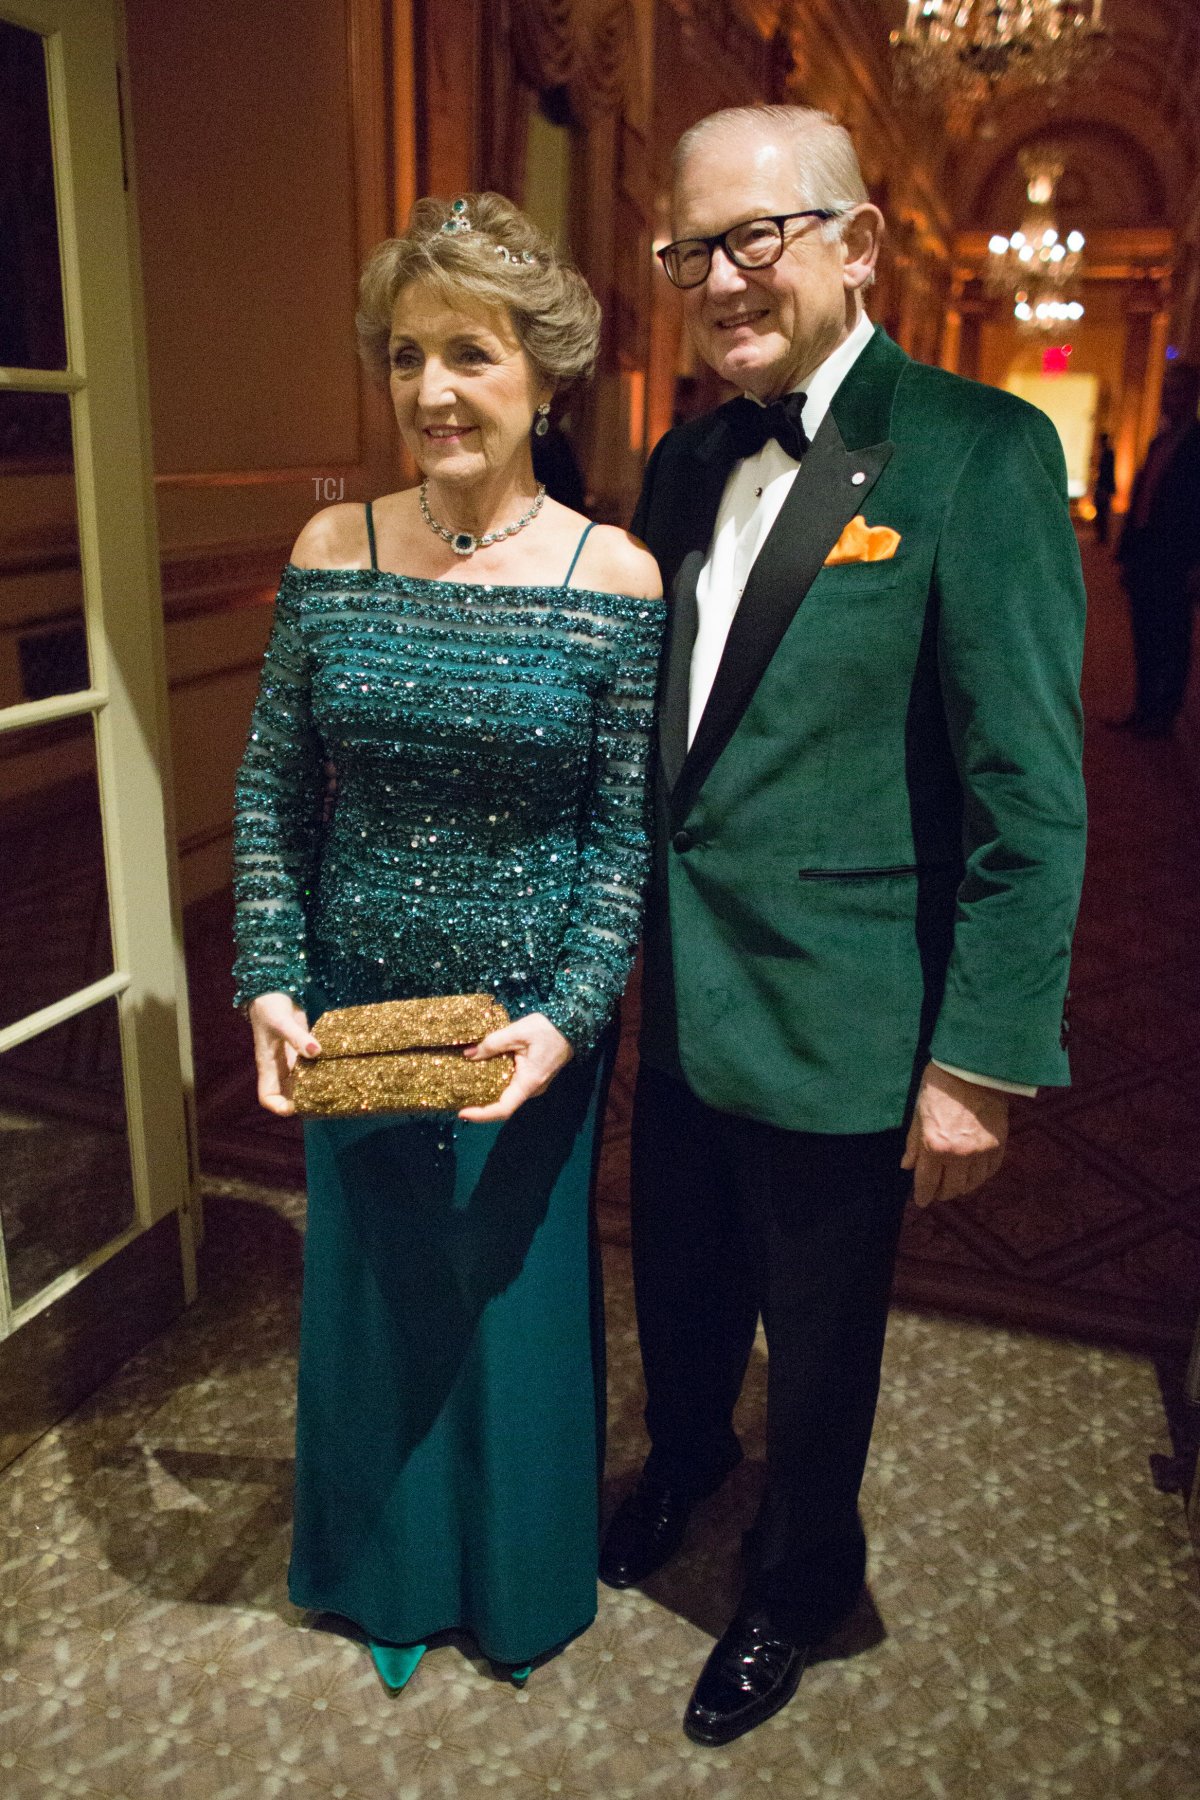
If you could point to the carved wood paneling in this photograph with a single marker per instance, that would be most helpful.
(448, 43)
(232, 501)
(227, 527)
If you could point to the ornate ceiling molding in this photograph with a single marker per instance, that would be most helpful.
(1147, 91)
(1113, 175)
(980, 168)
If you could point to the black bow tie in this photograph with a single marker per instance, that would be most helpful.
(751, 425)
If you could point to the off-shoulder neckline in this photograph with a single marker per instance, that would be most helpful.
(481, 587)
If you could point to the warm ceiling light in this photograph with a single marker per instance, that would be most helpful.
(970, 48)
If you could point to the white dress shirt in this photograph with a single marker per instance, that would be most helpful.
(754, 494)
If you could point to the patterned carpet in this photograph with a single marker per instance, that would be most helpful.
(1093, 1225)
(1033, 1632)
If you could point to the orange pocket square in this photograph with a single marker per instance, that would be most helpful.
(861, 542)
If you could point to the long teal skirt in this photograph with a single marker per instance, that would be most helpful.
(448, 1441)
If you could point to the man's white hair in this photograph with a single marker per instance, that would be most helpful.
(826, 163)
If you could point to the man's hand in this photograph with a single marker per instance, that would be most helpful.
(540, 1050)
(957, 1137)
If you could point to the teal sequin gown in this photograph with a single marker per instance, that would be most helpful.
(487, 832)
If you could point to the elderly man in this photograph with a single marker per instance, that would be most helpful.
(870, 827)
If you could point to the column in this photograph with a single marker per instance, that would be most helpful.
(1128, 443)
(951, 339)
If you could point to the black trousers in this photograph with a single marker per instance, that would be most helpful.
(732, 1218)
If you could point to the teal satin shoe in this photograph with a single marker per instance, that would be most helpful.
(396, 1663)
(519, 1677)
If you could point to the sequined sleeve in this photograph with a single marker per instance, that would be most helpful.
(614, 856)
(277, 800)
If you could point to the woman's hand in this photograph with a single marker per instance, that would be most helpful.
(281, 1034)
(540, 1050)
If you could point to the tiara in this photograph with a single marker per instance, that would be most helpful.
(460, 220)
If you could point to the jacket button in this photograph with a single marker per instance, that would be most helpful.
(682, 841)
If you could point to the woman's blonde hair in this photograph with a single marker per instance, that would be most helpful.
(498, 258)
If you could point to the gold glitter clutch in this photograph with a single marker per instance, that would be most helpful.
(402, 1056)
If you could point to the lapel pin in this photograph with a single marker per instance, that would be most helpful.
(858, 478)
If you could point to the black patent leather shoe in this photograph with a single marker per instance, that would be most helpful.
(645, 1532)
(752, 1672)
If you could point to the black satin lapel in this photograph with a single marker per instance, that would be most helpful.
(681, 638)
(699, 508)
(824, 497)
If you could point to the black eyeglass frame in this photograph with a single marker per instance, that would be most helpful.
(779, 220)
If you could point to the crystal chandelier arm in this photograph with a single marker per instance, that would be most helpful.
(969, 48)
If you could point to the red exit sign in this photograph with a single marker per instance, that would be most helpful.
(1055, 359)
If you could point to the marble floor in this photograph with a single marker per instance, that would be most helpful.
(1033, 1629)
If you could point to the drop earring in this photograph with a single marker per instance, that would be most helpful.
(541, 422)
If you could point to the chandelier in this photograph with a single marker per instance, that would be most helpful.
(967, 49)
(1036, 253)
(1045, 314)
(1036, 263)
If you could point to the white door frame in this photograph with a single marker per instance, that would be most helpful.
(105, 379)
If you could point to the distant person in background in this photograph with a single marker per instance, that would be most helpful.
(1158, 553)
(1106, 486)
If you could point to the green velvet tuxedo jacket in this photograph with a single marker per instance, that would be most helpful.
(872, 851)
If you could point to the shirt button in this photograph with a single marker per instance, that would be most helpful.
(683, 840)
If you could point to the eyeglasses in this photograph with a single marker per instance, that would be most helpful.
(755, 245)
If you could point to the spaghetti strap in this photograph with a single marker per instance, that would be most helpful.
(578, 549)
(371, 535)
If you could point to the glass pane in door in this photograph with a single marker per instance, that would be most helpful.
(32, 333)
(43, 642)
(66, 1185)
(54, 922)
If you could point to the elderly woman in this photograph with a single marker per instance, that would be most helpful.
(477, 663)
